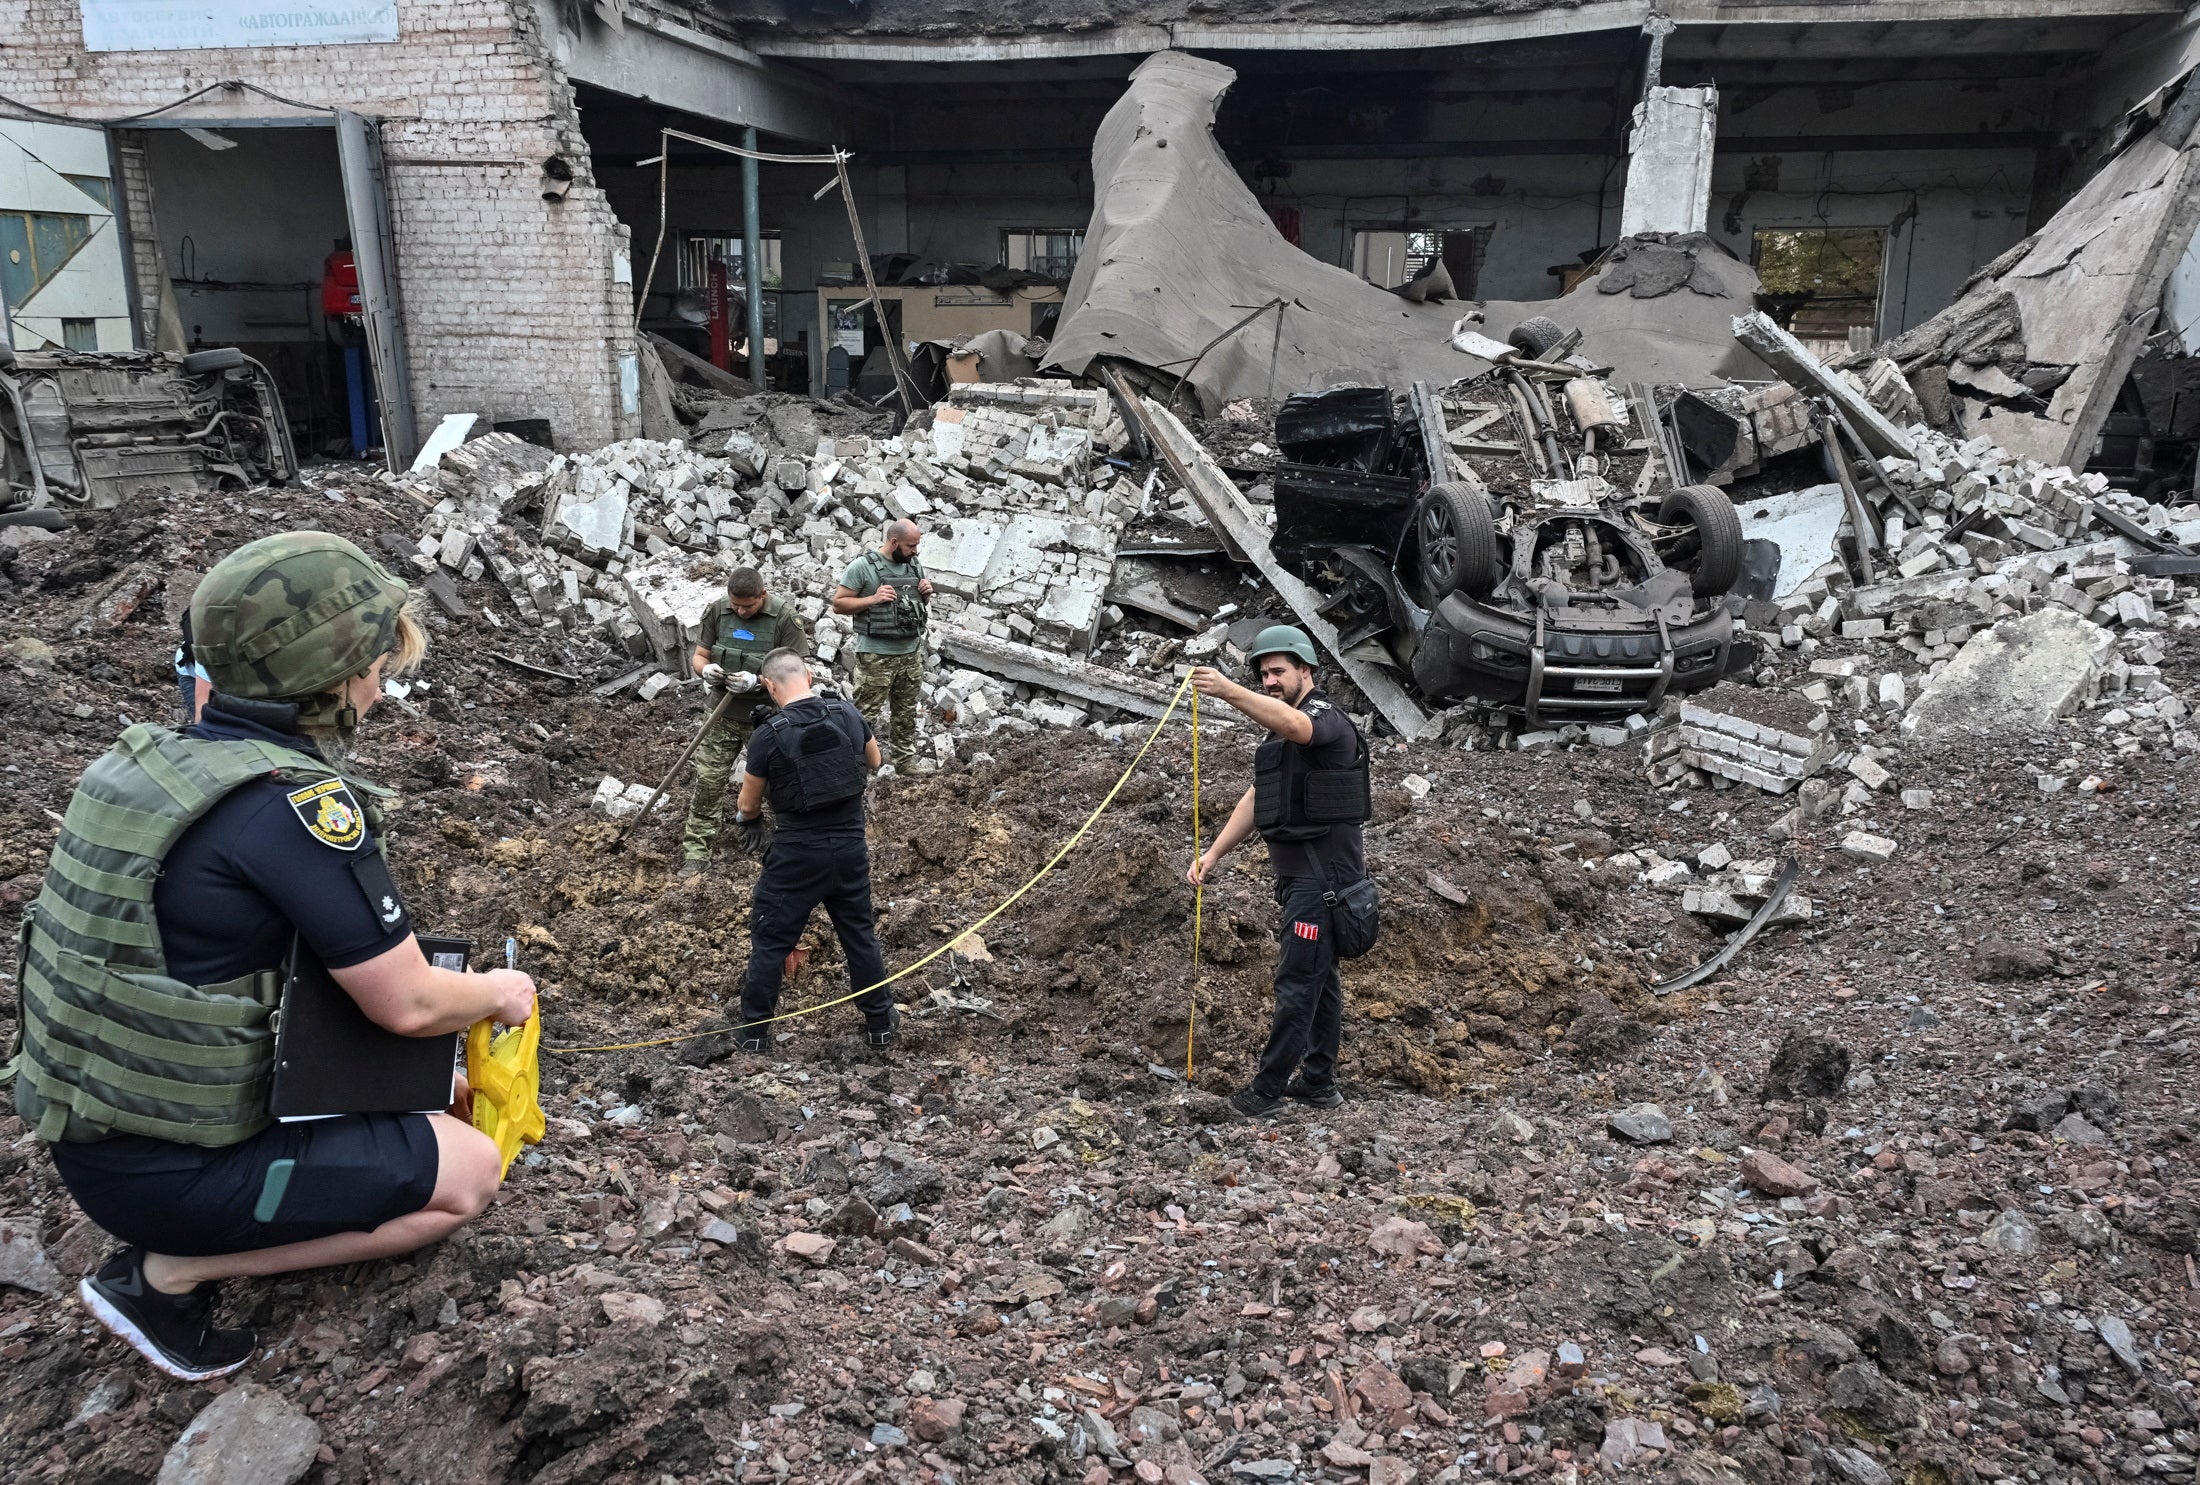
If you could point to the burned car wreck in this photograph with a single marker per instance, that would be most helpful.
(1552, 587)
(83, 430)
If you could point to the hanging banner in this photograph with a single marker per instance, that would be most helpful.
(181, 25)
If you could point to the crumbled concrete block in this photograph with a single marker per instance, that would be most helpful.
(2013, 679)
(1867, 847)
(655, 685)
(1917, 799)
(1868, 772)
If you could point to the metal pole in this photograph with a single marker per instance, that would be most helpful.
(752, 254)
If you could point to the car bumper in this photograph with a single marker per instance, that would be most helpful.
(1584, 669)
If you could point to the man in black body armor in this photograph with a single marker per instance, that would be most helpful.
(812, 760)
(1309, 798)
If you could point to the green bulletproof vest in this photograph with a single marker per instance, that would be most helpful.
(109, 1042)
(728, 648)
(904, 617)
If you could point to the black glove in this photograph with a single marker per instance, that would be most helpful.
(752, 834)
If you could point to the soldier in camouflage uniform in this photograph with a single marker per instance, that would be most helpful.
(737, 632)
(187, 867)
(890, 598)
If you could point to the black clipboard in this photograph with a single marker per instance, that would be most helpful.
(330, 1059)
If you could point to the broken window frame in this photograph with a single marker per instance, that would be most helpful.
(1017, 245)
(692, 264)
(1362, 235)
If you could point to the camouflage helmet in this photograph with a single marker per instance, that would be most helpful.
(286, 617)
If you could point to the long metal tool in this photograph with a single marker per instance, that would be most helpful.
(666, 782)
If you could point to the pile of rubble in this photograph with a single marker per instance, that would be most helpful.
(627, 544)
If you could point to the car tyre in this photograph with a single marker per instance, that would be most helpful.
(220, 358)
(1718, 535)
(1533, 336)
(1458, 541)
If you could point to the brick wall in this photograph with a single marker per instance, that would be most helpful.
(509, 301)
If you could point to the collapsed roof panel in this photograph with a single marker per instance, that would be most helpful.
(1184, 272)
(2035, 349)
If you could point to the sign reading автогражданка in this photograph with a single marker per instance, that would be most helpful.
(178, 25)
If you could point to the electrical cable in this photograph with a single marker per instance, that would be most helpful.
(224, 85)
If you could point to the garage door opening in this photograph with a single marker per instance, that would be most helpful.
(275, 239)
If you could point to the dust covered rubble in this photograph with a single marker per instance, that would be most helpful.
(624, 546)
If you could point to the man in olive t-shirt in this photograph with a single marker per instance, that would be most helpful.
(888, 595)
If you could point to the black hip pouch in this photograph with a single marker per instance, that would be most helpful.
(1355, 912)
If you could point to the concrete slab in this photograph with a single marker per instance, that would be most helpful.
(2014, 679)
(957, 563)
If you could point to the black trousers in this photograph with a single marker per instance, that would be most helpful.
(1309, 1020)
(800, 874)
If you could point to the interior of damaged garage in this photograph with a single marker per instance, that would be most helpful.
(251, 234)
(1864, 173)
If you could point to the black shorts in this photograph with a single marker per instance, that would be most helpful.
(290, 1183)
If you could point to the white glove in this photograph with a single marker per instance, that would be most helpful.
(714, 676)
(737, 681)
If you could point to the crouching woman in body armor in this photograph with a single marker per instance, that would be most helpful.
(812, 761)
(187, 866)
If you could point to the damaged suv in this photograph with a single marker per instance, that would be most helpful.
(84, 430)
(1564, 598)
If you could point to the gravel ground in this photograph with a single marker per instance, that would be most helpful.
(1917, 1202)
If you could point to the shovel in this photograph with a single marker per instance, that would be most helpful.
(664, 783)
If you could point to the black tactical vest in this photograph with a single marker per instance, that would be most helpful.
(814, 765)
(1293, 799)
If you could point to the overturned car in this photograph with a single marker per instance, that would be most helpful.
(1563, 596)
(83, 430)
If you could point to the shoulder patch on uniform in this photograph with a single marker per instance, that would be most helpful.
(330, 813)
(1316, 707)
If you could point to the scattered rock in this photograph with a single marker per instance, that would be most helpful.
(23, 1263)
(247, 1436)
(1767, 1173)
(2013, 1233)
(813, 1248)
(936, 1419)
(1807, 1066)
(1641, 1124)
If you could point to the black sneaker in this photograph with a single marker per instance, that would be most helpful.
(175, 1332)
(1313, 1095)
(749, 1038)
(1253, 1103)
(879, 1035)
(693, 867)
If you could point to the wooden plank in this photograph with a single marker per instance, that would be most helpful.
(1058, 672)
(1134, 408)
(1231, 517)
(1803, 371)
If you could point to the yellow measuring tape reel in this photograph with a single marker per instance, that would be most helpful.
(506, 1077)
(1005, 904)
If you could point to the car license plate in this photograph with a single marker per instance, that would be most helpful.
(1598, 683)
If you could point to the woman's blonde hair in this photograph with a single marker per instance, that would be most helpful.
(412, 640)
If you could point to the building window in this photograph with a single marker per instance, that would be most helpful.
(697, 249)
(80, 335)
(1051, 251)
(1388, 257)
(1822, 283)
(98, 187)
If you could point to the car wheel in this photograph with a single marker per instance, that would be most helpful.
(1458, 538)
(220, 358)
(1532, 337)
(1718, 535)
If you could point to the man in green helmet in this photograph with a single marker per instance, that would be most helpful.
(1308, 801)
(737, 632)
(187, 866)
